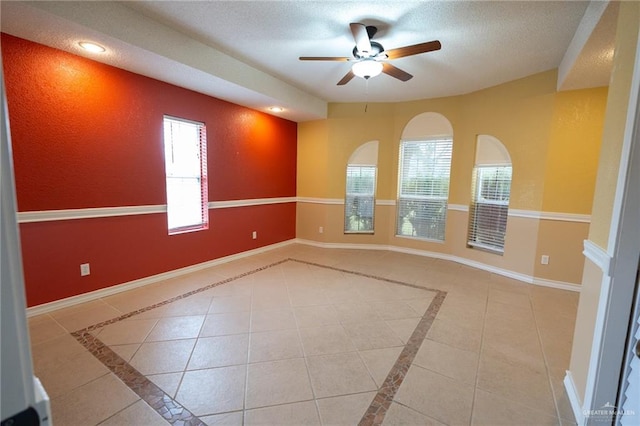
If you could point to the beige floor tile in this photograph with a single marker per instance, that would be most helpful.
(344, 410)
(174, 328)
(463, 317)
(84, 315)
(372, 335)
(63, 377)
(43, 328)
(404, 292)
(168, 382)
(274, 345)
(394, 309)
(225, 323)
(139, 413)
(79, 406)
(163, 357)
(492, 410)
(341, 294)
(53, 352)
(296, 414)
(230, 304)
(521, 323)
(399, 415)
(219, 351)
(403, 328)
(375, 290)
(125, 332)
(270, 300)
(449, 361)
(515, 381)
(277, 382)
(380, 361)
(421, 305)
(126, 352)
(340, 374)
(565, 411)
(436, 396)
(356, 312)
(273, 319)
(189, 306)
(509, 297)
(235, 418)
(308, 297)
(316, 316)
(453, 334)
(325, 340)
(213, 391)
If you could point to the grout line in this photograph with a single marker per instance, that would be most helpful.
(174, 412)
(165, 405)
(382, 401)
(544, 357)
(484, 325)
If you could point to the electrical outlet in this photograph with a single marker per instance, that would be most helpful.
(320, 230)
(544, 259)
(254, 235)
(85, 270)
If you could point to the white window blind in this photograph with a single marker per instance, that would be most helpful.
(423, 188)
(489, 207)
(359, 206)
(185, 145)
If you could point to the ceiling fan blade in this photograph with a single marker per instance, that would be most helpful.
(396, 72)
(324, 58)
(361, 37)
(414, 49)
(347, 78)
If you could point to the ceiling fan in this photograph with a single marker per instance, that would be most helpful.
(370, 58)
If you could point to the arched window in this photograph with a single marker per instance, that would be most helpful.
(360, 201)
(423, 177)
(491, 189)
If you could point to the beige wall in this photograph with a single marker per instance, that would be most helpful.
(616, 114)
(605, 189)
(549, 136)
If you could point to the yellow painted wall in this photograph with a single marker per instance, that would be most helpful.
(573, 152)
(540, 128)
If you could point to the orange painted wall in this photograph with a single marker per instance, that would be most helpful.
(85, 134)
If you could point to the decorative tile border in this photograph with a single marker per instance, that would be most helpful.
(172, 411)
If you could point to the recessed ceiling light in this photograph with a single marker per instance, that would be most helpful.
(91, 47)
(276, 109)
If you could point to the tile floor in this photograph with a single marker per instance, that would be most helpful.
(307, 336)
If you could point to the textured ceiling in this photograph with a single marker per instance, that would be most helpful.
(247, 51)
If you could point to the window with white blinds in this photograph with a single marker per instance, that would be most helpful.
(185, 153)
(423, 188)
(359, 205)
(489, 207)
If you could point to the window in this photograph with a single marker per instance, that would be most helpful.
(359, 203)
(489, 207)
(423, 188)
(185, 153)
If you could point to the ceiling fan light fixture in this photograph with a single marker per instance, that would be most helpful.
(367, 68)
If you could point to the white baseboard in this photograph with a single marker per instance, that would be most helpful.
(97, 294)
(472, 263)
(119, 288)
(574, 399)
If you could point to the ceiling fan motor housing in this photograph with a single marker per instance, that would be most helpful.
(376, 48)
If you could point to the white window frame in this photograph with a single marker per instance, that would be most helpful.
(360, 206)
(421, 215)
(185, 175)
(493, 210)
